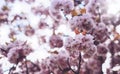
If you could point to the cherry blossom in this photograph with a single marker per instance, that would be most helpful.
(33, 42)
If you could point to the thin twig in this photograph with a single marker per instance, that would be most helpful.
(70, 66)
(60, 68)
(4, 50)
(36, 66)
(12, 68)
(79, 64)
(27, 72)
(64, 70)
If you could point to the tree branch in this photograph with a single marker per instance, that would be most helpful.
(79, 64)
(27, 72)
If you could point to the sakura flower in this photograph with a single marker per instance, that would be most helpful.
(100, 32)
(29, 31)
(102, 50)
(57, 6)
(55, 41)
(18, 50)
(83, 43)
(52, 63)
(83, 22)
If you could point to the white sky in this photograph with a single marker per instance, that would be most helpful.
(113, 6)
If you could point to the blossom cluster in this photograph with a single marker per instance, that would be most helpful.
(82, 43)
(16, 51)
(58, 5)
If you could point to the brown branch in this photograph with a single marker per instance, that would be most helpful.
(11, 69)
(27, 72)
(38, 68)
(79, 64)
(70, 66)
